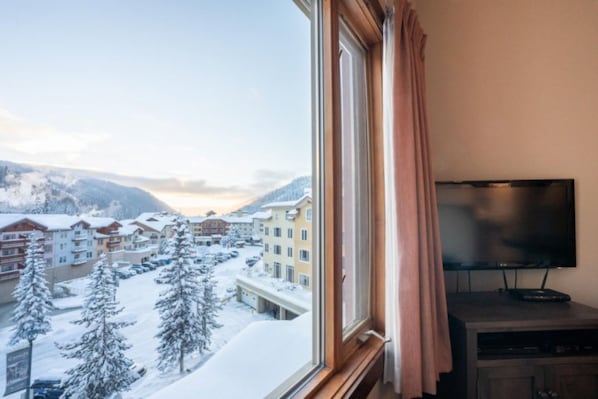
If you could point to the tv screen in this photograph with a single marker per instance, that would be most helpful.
(507, 224)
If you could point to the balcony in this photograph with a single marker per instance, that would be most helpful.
(112, 244)
(78, 250)
(78, 262)
(21, 242)
(9, 275)
(80, 237)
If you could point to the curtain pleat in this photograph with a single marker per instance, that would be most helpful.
(415, 281)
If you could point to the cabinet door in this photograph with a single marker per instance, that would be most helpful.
(521, 382)
(573, 381)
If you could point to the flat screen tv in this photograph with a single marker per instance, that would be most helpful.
(507, 224)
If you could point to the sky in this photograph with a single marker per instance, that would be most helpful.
(205, 104)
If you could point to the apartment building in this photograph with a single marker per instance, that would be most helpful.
(287, 237)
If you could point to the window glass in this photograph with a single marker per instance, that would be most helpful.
(144, 112)
(355, 183)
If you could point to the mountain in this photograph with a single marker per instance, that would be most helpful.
(292, 191)
(30, 189)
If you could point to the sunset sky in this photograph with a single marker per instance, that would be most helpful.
(206, 104)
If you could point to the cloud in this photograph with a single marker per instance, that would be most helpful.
(17, 134)
(267, 179)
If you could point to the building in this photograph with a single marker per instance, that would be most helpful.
(287, 238)
(258, 219)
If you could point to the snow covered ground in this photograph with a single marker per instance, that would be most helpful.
(138, 295)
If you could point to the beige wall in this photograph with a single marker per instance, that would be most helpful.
(512, 91)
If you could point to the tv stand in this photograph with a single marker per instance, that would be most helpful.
(504, 348)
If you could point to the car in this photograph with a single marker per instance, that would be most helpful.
(138, 269)
(47, 388)
(124, 274)
(137, 371)
(234, 253)
(149, 265)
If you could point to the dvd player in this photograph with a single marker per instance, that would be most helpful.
(539, 295)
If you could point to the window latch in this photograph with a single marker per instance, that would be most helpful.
(366, 335)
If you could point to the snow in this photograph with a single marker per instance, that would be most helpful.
(252, 364)
(138, 295)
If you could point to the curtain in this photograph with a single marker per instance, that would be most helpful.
(416, 315)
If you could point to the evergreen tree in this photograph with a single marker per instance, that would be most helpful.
(104, 369)
(180, 327)
(208, 305)
(33, 299)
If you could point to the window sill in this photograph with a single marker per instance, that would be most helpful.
(354, 380)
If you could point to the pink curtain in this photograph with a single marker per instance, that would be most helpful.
(422, 337)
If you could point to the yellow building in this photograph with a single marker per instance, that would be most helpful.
(287, 240)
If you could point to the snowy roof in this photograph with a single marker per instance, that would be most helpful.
(237, 219)
(196, 219)
(98, 222)
(128, 229)
(288, 204)
(263, 215)
(51, 222)
(7, 219)
(281, 291)
(252, 364)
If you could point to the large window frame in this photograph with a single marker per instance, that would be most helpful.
(349, 365)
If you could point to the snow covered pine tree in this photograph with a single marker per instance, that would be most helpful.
(104, 369)
(33, 298)
(208, 305)
(180, 330)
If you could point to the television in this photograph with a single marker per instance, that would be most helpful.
(507, 224)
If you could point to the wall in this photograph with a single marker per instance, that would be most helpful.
(512, 90)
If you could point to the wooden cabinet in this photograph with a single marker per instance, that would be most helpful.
(507, 349)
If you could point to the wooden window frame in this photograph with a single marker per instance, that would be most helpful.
(350, 365)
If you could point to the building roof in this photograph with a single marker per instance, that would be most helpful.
(288, 204)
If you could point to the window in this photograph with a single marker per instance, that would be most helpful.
(11, 236)
(355, 177)
(277, 249)
(303, 234)
(304, 279)
(276, 270)
(9, 268)
(290, 274)
(322, 266)
(11, 251)
(304, 255)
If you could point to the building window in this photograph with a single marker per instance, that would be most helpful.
(8, 268)
(290, 252)
(290, 274)
(289, 233)
(304, 279)
(266, 267)
(277, 232)
(276, 270)
(266, 247)
(308, 214)
(303, 234)
(9, 236)
(266, 231)
(304, 255)
(7, 252)
(277, 249)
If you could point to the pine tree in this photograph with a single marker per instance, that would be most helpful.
(208, 305)
(180, 327)
(103, 369)
(33, 297)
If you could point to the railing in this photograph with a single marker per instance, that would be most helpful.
(77, 262)
(9, 275)
(80, 237)
(13, 243)
(78, 250)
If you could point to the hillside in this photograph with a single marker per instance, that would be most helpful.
(294, 190)
(30, 189)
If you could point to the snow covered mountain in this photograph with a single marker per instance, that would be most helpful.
(292, 191)
(30, 189)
